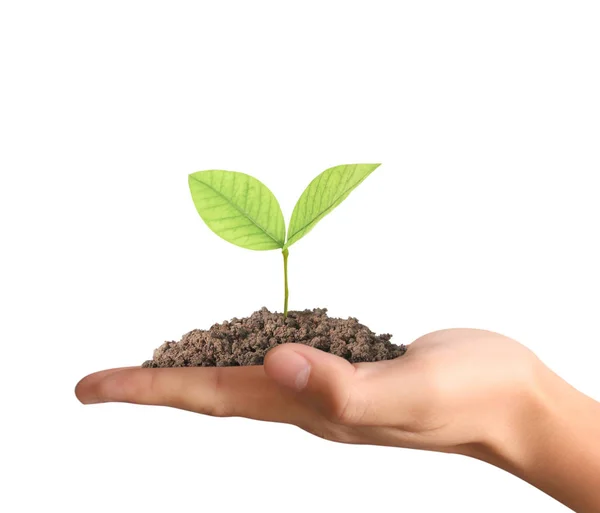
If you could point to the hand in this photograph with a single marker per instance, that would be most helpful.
(444, 394)
(470, 392)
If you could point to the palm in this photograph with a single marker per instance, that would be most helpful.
(442, 391)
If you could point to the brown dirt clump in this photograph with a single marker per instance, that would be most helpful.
(246, 341)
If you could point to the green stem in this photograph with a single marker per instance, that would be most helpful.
(285, 279)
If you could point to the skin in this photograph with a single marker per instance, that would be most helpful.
(469, 392)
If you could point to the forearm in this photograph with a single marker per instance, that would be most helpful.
(553, 443)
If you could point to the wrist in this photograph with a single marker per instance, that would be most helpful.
(549, 439)
(523, 412)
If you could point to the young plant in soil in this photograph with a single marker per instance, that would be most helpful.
(243, 211)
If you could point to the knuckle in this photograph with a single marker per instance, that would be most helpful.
(219, 409)
(332, 432)
(336, 406)
(217, 406)
(154, 385)
(344, 406)
(122, 386)
(345, 411)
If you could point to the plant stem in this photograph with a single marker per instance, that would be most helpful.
(285, 280)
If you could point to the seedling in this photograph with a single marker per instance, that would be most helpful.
(242, 210)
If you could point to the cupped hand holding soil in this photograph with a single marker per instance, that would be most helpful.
(468, 392)
(443, 393)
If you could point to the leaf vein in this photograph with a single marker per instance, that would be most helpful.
(324, 211)
(243, 212)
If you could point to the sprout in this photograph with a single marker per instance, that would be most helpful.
(242, 210)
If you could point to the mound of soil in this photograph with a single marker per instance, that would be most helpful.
(246, 341)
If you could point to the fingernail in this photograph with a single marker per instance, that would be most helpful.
(302, 373)
(291, 369)
(91, 400)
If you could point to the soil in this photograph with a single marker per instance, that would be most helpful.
(246, 341)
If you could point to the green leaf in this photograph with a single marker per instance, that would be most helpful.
(323, 194)
(238, 208)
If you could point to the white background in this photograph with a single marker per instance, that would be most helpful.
(484, 213)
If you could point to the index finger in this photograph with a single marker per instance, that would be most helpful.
(216, 391)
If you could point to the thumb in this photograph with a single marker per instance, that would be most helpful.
(323, 380)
